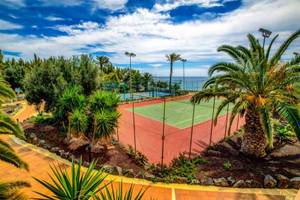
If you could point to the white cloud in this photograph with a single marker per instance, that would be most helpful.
(65, 3)
(54, 18)
(172, 4)
(110, 4)
(156, 65)
(13, 3)
(151, 34)
(5, 25)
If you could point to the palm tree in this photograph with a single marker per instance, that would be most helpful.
(87, 185)
(173, 57)
(103, 61)
(7, 154)
(259, 85)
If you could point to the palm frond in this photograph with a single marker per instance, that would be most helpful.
(10, 190)
(8, 155)
(277, 56)
(291, 114)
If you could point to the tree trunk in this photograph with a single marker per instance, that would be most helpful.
(254, 139)
(170, 78)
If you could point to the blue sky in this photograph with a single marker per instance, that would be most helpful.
(150, 28)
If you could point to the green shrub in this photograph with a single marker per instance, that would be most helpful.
(283, 131)
(199, 160)
(227, 165)
(139, 158)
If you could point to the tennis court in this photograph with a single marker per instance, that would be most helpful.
(145, 128)
(179, 113)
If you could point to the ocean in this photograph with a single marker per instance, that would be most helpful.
(191, 83)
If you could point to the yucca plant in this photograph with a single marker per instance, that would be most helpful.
(260, 86)
(111, 193)
(84, 185)
(74, 185)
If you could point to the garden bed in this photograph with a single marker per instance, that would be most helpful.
(221, 164)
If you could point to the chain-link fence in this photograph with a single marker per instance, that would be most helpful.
(163, 128)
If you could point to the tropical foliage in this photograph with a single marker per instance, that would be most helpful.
(79, 185)
(260, 86)
(7, 154)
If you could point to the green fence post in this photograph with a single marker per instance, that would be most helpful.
(192, 131)
(227, 110)
(163, 135)
(212, 121)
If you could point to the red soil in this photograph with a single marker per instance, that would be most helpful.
(149, 134)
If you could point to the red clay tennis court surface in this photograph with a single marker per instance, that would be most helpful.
(149, 133)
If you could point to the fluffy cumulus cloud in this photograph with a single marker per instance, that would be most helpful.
(151, 35)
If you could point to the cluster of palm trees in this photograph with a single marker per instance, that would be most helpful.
(260, 86)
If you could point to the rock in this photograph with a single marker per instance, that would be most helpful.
(295, 182)
(41, 142)
(118, 171)
(213, 153)
(239, 184)
(77, 142)
(129, 173)
(282, 181)
(252, 184)
(207, 181)
(65, 155)
(86, 164)
(35, 140)
(221, 182)
(180, 179)
(32, 135)
(195, 181)
(269, 182)
(46, 146)
(147, 175)
(231, 180)
(107, 168)
(61, 152)
(55, 149)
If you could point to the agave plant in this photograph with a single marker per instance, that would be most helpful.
(76, 185)
(260, 86)
(79, 185)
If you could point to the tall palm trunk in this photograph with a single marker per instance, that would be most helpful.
(171, 74)
(254, 139)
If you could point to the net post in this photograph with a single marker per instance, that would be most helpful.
(212, 121)
(118, 134)
(227, 110)
(237, 122)
(163, 135)
(192, 131)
